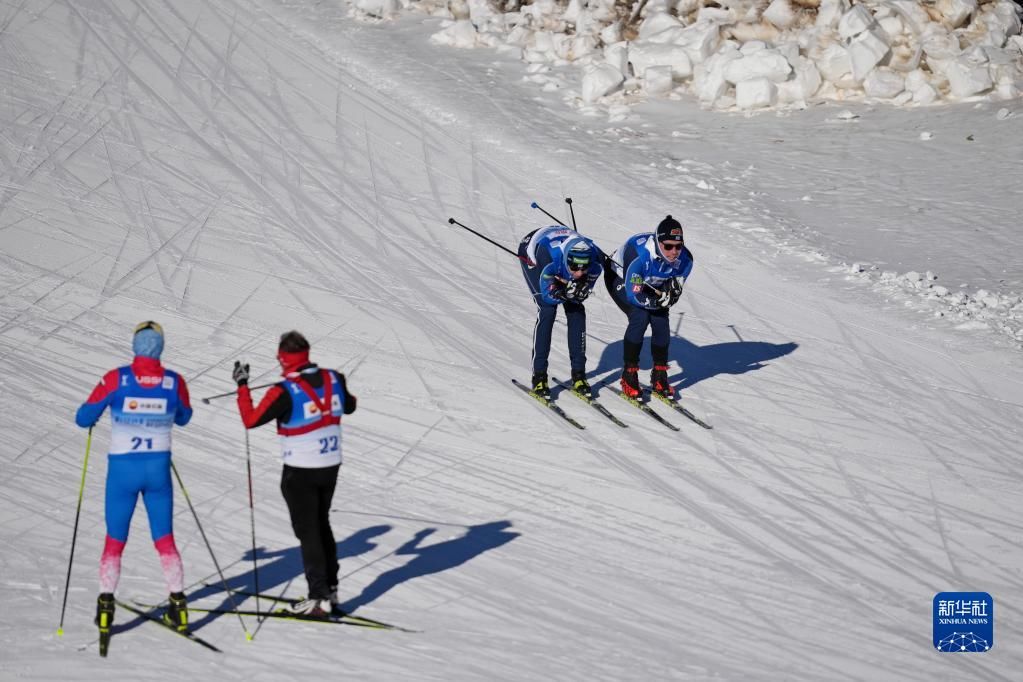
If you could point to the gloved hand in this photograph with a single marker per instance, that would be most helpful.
(663, 296)
(674, 291)
(240, 373)
(577, 291)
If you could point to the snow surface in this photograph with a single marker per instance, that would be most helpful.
(239, 169)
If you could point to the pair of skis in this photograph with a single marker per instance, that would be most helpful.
(337, 617)
(635, 402)
(105, 633)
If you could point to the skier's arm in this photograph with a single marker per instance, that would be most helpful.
(552, 287)
(350, 399)
(92, 409)
(184, 412)
(276, 404)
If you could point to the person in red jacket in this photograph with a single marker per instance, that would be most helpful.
(308, 406)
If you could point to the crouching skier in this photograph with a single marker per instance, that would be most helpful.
(146, 401)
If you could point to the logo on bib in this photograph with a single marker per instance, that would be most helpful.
(145, 405)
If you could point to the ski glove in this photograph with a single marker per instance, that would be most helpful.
(240, 374)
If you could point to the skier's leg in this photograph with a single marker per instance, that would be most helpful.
(158, 496)
(300, 496)
(325, 494)
(122, 490)
(542, 332)
(576, 314)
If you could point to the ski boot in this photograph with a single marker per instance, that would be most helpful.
(540, 386)
(104, 619)
(580, 385)
(659, 382)
(311, 608)
(630, 382)
(176, 615)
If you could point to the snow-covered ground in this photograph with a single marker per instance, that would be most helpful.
(239, 169)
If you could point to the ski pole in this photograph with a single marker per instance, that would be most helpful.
(224, 395)
(545, 212)
(525, 260)
(252, 516)
(74, 534)
(223, 580)
(568, 200)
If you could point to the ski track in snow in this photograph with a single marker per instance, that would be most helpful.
(239, 169)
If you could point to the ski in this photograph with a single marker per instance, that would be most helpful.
(104, 641)
(284, 614)
(644, 408)
(149, 615)
(337, 613)
(546, 402)
(592, 402)
(677, 406)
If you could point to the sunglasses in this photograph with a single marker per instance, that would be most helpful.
(671, 247)
(149, 324)
(576, 267)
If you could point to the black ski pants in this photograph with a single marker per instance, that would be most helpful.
(639, 320)
(308, 493)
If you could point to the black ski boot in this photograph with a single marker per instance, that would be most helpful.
(540, 385)
(659, 382)
(104, 619)
(176, 614)
(580, 385)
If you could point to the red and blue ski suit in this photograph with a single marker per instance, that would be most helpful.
(145, 402)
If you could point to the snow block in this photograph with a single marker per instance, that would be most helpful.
(699, 40)
(656, 23)
(805, 82)
(764, 64)
(642, 56)
(599, 80)
(460, 34)
(780, 13)
(883, 83)
(925, 94)
(657, 80)
(866, 51)
(855, 21)
(756, 93)
(966, 79)
(617, 55)
(709, 78)
(830, 12)
(834, 63)
(956, 12)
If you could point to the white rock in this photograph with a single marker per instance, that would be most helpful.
(925, 94)
(940, 44)
(893, 26)
(700, 41)
(378, 8)
(965, 79)
(657, 80)
(716, 15)
(830, 12)
(752, 46)
(656, 23)
(912, 276)
(834, 63)
(926, 135)
(1002, 21)
(756, 93)
(867, 50)
(883, 83)
(764, 64)
(911, 12)
(599, 80)
(644, 55)
(915, 79)
(612, 33)
(956, 12)
(459, 34)
(855, 21)
(709, 82)
(1003, 114)
(617, 55)
(519, 36)
(790, 51)
(805, 82)
(780, 13)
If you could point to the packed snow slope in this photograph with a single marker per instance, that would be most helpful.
(238, 169)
